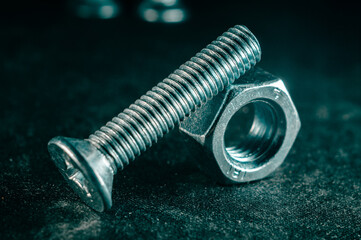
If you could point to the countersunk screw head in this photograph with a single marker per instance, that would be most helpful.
(86, 170)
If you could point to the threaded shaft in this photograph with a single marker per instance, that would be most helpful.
(170, 101)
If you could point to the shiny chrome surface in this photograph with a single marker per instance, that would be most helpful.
(268, 121)
(134, 130)
(86, 170)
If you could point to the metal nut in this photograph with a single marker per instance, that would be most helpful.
(266, 141)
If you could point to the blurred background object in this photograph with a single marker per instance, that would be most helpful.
(103, 9)
(163, 11)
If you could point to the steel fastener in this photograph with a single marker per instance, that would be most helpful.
(269, 121)
(89, 165)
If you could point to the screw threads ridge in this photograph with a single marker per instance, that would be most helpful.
(190, 86)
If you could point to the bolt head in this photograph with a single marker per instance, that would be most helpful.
(86, 170)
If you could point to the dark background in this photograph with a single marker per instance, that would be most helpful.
(61, 75)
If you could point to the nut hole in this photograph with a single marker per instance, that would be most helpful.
(255, 133)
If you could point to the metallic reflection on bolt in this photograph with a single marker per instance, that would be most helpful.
(103, 9)
(153, 115)
(164, 11)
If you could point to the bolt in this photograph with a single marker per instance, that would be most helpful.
(89, 165)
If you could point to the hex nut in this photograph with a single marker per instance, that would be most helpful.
(271, 133)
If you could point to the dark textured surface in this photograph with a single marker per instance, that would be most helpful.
(64, 76)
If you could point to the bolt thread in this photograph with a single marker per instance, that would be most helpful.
(170, 101)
